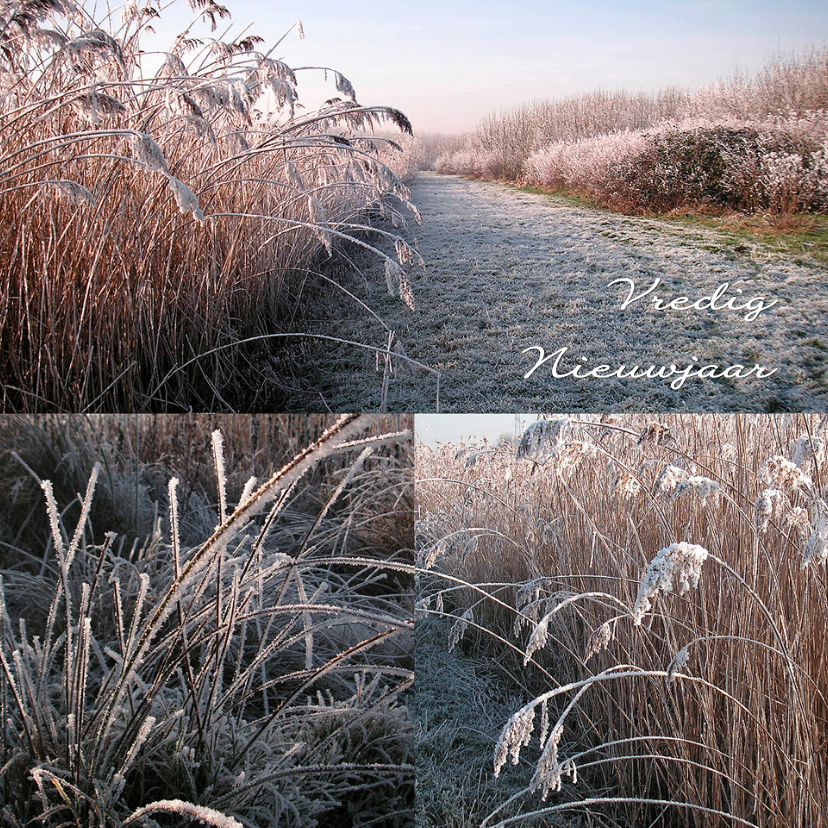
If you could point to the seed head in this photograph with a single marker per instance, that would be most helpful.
(704, 487)
(768, 507)
(679, 662)
(72, 192)
(657, 434)
(678, 564)
(627, 486)
(816, 547)
(600, 639)
(568, 458)
(798, 519)
(148, 153)
(808, 449)
(669, 480)
(516, 734)
(186, 199)
(538, 639)
(459, 628)
(405, 290)
(548, 772)
(391, 269)
(543, 439)
(780, 473)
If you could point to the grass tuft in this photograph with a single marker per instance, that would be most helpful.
(257, 678)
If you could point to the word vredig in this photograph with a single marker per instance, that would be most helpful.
(714, 301)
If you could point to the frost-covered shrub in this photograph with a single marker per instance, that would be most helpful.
(467, 161)
(746, 143)
(720, 166)
(583, 164)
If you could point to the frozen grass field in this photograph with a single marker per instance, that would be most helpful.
(507, 270)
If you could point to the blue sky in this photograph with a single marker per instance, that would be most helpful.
(447, 64)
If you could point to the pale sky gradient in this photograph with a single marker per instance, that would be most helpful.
(467, 428)
(448, 63)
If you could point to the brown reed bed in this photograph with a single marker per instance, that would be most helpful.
(159, 222)
(658, 586)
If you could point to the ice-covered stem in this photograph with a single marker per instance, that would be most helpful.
(87, 505)
(205, 815)
(54, 520)
(65, 558)
(221, 475)
(608, 800)
(540, 634)
(681, 658)
(174, 537)
(336, 438)
(175, 541)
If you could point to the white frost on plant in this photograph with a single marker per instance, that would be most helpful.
(670, 479)
(516, 734)
(626, 486)
(600, 639)
(548, 771)
(816, 547)
(677, 568)
(703, 487)
(177, 806)
(459, 628)
(798, 520)
(538, 639)
(186, 199)
(543, 439)
(780, 473)
(768, 507)
(808, 449)
(679, 662)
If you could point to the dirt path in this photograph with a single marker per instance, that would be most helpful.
(508, 271)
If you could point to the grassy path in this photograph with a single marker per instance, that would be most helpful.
(460, 707)
(508, 270)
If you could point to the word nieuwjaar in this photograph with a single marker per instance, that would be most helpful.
(718, 300)
(637, 372)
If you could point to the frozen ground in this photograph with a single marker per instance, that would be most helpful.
(508, 270)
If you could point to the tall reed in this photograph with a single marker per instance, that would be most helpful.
(659, 590)
(156, 214)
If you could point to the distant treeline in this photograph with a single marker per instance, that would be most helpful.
(746, 143)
